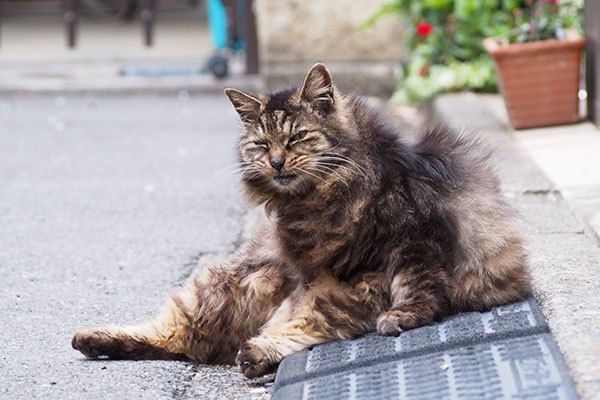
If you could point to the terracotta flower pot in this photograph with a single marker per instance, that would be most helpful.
(539, 80)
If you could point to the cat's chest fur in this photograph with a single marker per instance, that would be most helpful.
(336, 235)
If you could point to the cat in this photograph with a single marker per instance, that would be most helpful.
(368, 232)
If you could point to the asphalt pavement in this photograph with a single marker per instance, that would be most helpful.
(106, 204)
(108, 201)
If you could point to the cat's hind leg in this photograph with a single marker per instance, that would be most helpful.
(152, 340)
(206, 321)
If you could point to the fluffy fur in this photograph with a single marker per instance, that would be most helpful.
(368, 233)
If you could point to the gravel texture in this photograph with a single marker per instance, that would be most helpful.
(107, 203)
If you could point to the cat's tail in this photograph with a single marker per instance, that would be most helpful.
(453, 158)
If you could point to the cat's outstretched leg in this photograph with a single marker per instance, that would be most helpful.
(152, 340)
(323, 311)
(206, 321)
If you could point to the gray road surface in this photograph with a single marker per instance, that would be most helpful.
(105, 205)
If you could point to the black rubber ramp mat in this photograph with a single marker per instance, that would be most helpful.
(506, 353)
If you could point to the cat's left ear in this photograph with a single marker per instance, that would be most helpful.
(246, 105)
(317, 89)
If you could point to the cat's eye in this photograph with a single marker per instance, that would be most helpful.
(298, 136)
(262, 143)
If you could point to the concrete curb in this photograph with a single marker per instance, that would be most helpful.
(108, 77)
(564, 258)
(129, 85)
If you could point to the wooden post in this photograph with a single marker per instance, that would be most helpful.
(0, 21)
(592, 33)
(147, 14)
(69, 18)
(251, 40)
(231, 19)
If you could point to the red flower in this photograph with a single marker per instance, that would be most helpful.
(424, 29)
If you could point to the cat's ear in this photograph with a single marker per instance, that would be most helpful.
(317, 89)
(246, 105)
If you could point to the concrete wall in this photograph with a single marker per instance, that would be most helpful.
(294, 34)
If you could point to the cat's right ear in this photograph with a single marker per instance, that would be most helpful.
(317, 89)
(246, 105)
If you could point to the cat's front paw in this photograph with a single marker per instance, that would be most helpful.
(389, 323)
(253, 362)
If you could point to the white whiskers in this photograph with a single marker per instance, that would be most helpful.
(335, 159)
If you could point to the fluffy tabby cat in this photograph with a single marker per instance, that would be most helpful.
(368, 233)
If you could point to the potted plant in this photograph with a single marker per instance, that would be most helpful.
(537, 67)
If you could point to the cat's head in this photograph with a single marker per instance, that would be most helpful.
(294, 139)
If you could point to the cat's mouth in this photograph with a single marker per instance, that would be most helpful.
(284, 179)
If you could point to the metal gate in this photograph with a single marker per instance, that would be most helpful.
(119, 9)
(146, 9)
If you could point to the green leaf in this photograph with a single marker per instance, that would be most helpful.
(438, 4)
(453, 54)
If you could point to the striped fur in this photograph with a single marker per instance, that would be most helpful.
(369, 232)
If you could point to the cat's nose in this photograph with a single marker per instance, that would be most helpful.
(277, 162)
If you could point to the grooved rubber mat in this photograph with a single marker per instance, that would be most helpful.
(506, 353)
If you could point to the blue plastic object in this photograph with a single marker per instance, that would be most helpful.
(218, 63)
(217, 21)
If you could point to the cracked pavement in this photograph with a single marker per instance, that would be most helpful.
(106, 204)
